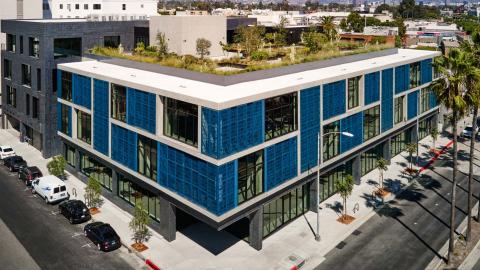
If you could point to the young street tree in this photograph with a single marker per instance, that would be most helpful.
(434, 133)
(449, 89)
(139, 223)
(345, 188)
(382, 166)
(57, 166)
(93, 191)
(203, 47)
(411, 148)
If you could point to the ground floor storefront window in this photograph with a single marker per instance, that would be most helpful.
(90, 167)
(327, 181)
(399, 142)
(134, 194)
(424, 128)
(69, 155)
(368, 159)
(284, 209)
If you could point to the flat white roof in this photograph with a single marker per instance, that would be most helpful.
(221, 97)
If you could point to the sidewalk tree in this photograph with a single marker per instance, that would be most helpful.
(411, 148)
(449, 89)
(93, 190)
(57, 166)
(344, 187)
(139, 223)
(381, 167)
(434, 133)
(472, 97)
(203, 47)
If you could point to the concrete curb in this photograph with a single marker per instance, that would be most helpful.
(471, 259)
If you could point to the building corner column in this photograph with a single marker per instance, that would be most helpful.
(168, 220)
(114, 183)
(356, 170)
(386, 150)
(256, 228)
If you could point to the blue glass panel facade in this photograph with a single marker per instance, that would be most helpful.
(141, 109)
(372, 87)
(402, 78)
(199, 181)
(333, 99)
(352, 124)
(124, 147)
(426, 71)
(82, 90)
(232, 130)
(309, 127)
(100, 116)
(433, 100)
(412, 105)
(280, 163)
(387, 99)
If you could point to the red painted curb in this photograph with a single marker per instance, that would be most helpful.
(436, 156)
(294, 268)
(152, 265)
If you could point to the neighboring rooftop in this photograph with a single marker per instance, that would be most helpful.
(252, 86)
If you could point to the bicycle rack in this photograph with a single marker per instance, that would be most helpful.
(74, 192)
(356, 208)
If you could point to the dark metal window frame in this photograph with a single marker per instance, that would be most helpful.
(147, 148)
(281, 115)
(118, 102)
(180, 121)
(249, 168)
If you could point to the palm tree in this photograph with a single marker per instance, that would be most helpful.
(411, 148)
(434, 133)
(472, 97)
(381, 167)
(329, 28)
(449, 89)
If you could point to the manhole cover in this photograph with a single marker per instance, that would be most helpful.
(341, 245)
(356, 232)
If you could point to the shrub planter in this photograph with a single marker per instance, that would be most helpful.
(346, 219)
(94, 211)
(139, 247)
(382, 192)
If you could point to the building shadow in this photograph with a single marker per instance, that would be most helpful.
(336, 206)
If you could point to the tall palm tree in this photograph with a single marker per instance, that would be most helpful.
(329, 28)
(450, 90)
(472, 97)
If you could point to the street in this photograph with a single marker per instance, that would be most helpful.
(44, 238)
(408, 232)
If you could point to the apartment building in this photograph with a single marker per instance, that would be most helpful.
(100, 10)
(32, 51)
(239, 152)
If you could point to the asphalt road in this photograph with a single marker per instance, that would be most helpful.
(410, 230)
(40, 237)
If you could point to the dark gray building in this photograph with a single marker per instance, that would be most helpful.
(32, 51)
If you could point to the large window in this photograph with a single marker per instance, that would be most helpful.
(327, 181)
(11, 43)
(134, 194)
(368, 159)
(27, 104)
(399, 142)
(119, 102)
(84, 126)
(414, 74)
(111, 41)
(147, 157)
(7, 69)
(39, 79)
(65, 47)
(21, 45)
(33, 47)
(399, 110)
(69, 155)
(181, 121)
(250, 176)
(331, 140)
(92, 168)
(353, 92)
(64, 115)
(97, 6)
(26, 75)
(66, 85)
(34, 107)
(371, 123)
(11, 96)
(425, 99)
(284, 209)
(280, 115)
(424, 128)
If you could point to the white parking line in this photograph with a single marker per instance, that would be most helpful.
(77, 234)
(55, 213)
(87, 245)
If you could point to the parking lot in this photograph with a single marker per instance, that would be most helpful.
(51, 241)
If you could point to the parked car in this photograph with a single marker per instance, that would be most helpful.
(28, 174)
(6, 151)
(467, 132)
(14, 163)
(102, 235)
(50, 188)
(75, 211)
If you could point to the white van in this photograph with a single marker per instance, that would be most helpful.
(50, 188)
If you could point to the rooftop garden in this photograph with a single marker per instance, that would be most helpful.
(253, 50)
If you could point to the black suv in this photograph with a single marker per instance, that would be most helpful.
(75, 211)
(102, 235)
(14, 163)
(28, 174)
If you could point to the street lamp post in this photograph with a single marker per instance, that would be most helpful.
(317, 199)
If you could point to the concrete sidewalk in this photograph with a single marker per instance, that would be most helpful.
(201, 247)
